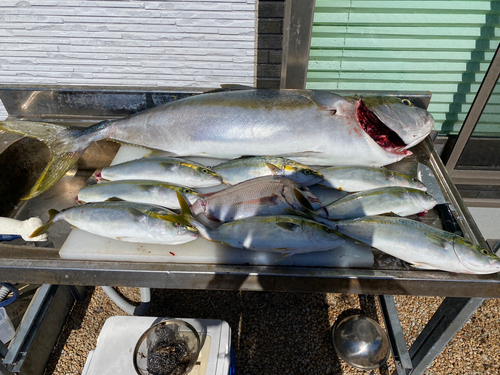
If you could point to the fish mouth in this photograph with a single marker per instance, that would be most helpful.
(385, 137)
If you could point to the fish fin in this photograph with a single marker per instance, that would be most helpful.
(66, 146)
(187, 215)
(302, 200)
(158, 154)
(166, 165)
(440, 241)
(388, 174)
(286, 254)
(274, 169)
(422, 266)
(43, 229)
(53, 172)
(115, 199)
(288, 226)
(145, 187)
(184, 204)
(229, 87)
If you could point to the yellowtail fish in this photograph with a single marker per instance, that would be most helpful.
(419, 244)
(126, 221)
(358, 178)
(261, 196)
(396, 200)
(246, 168)
(139, 191)
(311, 127)
(165, 169)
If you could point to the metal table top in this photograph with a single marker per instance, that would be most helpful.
(85, 105)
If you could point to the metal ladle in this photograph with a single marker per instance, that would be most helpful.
(361, 342)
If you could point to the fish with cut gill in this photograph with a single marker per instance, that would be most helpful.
(309, 126)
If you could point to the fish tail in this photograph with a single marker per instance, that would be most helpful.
(43, 229)
(187, 215)
(66, 145)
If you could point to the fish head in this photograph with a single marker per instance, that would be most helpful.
(191, 195)
(476, 259)
(200, 176)
(307, 176)
(395, 124)
(408, 181)
(423, 199)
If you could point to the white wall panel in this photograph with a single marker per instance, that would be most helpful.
(127, 43)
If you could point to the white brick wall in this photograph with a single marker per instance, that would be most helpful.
(189, 43)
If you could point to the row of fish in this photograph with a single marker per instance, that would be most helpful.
(275, 213)
(264, 186)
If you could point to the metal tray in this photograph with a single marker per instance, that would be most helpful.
(22, 160)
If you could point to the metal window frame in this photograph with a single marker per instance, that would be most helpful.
(476, 177)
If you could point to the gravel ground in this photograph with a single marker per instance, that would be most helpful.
(285, 333)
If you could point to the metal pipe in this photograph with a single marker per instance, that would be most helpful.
(127, 307)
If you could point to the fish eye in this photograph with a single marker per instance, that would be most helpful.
(187, 191)
(203, 170)
(484, 251)
(307, 171)
(406, 102)
(301, 188)
(328, 230)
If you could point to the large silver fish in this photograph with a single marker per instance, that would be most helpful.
(398, 200)
(284, 234)
(421, 245)
(358, 178)
(261, 196)
(311, 127)
(243, 169)
(171, 170)
(126, 221)
(140, 191)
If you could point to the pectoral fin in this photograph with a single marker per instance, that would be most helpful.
(387, 173)
(288, 226)
(166, 165)
(302, 200)
(437, 240)
(423, 266)
(274, 169)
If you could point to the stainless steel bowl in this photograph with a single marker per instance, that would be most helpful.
(361, 342)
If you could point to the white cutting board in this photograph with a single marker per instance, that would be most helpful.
(85, 246)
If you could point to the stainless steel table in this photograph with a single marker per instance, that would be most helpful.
(35, 264)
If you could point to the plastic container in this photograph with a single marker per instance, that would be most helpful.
(7, 331)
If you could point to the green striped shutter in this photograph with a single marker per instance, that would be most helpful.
(444, 47)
